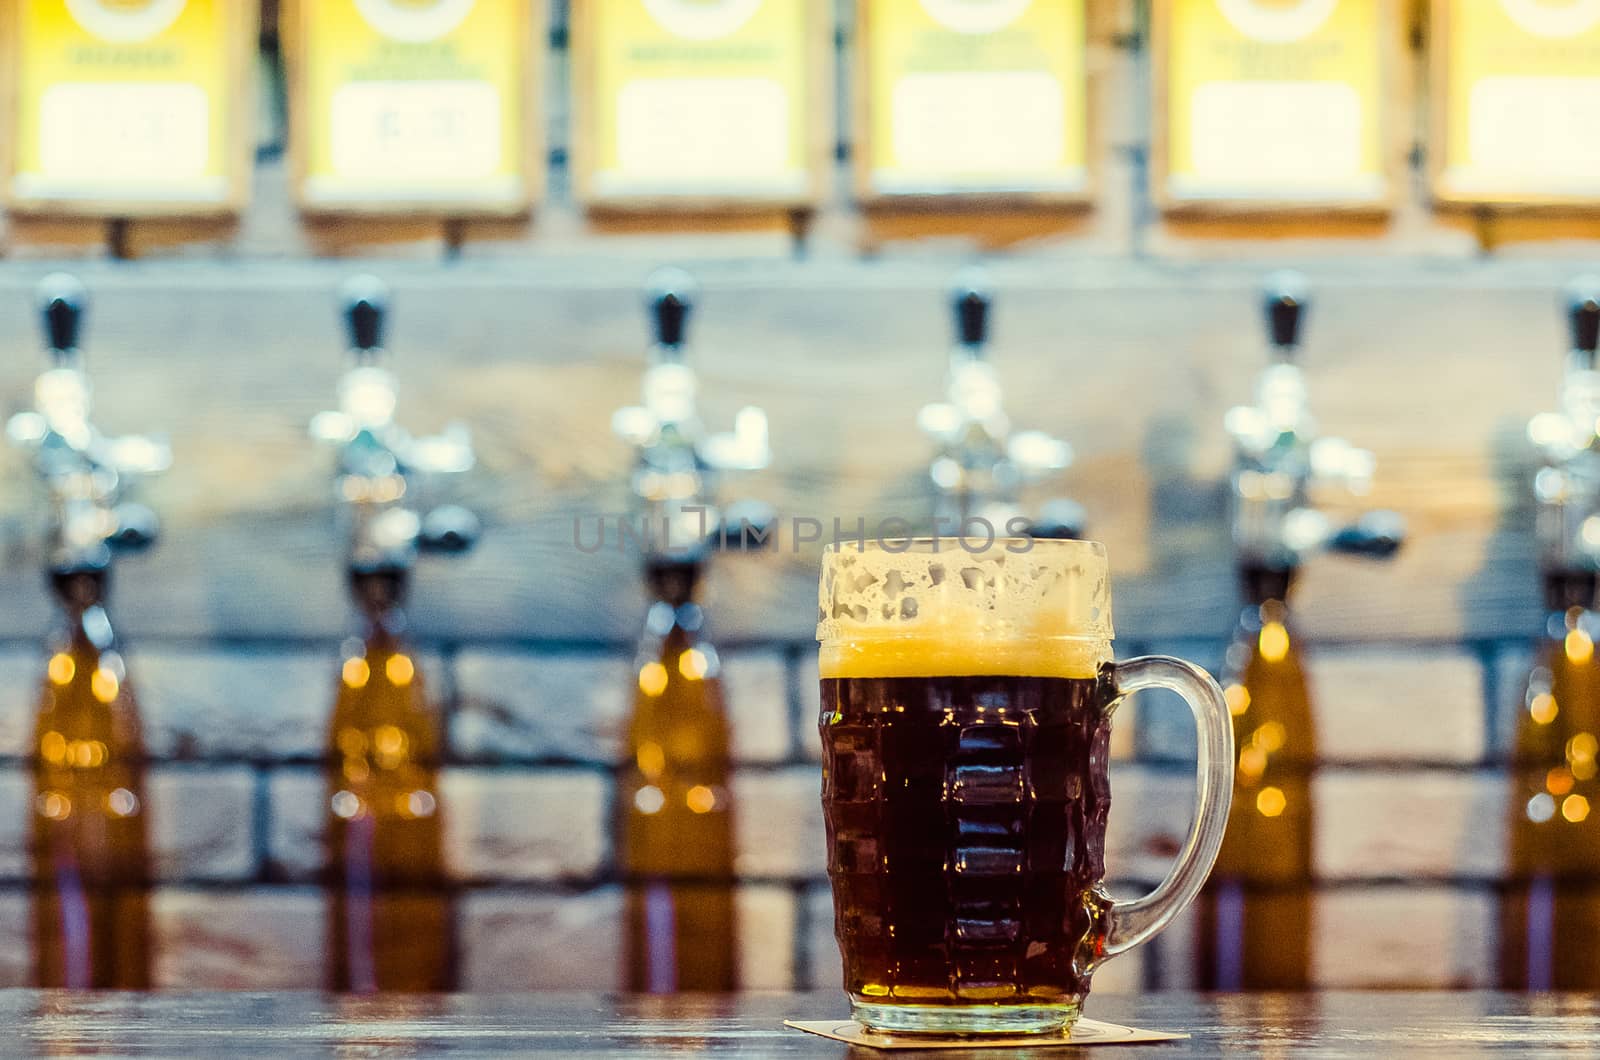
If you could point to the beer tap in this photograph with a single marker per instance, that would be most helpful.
(386, 876)
(1254, 916)
(674, 801)
(88, 839)
(1281, 461)
(380, 464)
(1554, 840)
(84, 472)
(679, 464)
(982, 464)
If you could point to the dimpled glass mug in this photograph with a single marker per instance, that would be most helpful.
(967, 700)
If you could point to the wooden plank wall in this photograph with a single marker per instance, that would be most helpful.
(1435, 368)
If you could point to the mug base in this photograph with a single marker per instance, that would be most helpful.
(966, 1019)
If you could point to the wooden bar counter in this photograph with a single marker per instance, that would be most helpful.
(604, 1025)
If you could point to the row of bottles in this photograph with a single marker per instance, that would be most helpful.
(1253, 922)
(389, 902)
(390, 916)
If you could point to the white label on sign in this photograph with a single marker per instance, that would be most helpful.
(1279, 139)
(1533, 133)
(714, 132)
(119, 134)
(403, 132)
(979, 125)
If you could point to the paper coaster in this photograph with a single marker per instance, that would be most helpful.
(1084, 1032)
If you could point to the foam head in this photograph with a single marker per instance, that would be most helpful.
(932, 608)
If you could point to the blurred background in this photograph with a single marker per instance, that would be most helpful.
(1128, 172)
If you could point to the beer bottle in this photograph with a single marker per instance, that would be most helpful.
(1550, 906)
(88, 819)
(88, 828)
(391, 918)
(390, 902)
(1255, 914)
(1550, 912)
(676, 842)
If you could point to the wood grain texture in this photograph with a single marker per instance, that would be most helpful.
(1437, 371)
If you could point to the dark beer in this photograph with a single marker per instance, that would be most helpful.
(966, 822)
(966, 726)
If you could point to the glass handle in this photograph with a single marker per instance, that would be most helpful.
(1138, 921)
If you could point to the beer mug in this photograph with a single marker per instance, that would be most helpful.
(967, 700)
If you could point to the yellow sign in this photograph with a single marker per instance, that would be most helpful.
(1273, 101)
(978, 96)
(1520, 100)
(130, 106)
(699, 100)
(413, 104)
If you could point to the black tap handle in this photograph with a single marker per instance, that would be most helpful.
(1378, 535)
(1286, 298)
(671, 294)
(366, 305)
(971, 299)
(62, 300)
(1583, 308)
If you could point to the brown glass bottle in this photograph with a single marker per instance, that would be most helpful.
(88, 834)
(1550, 909)
(391, 924)
(1254, 917)
(675, 827)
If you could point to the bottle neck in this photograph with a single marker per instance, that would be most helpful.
(1565, 590)
(1263, 585)
(672, 582)
(78, 590)
(81, 597)
(379, 596)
